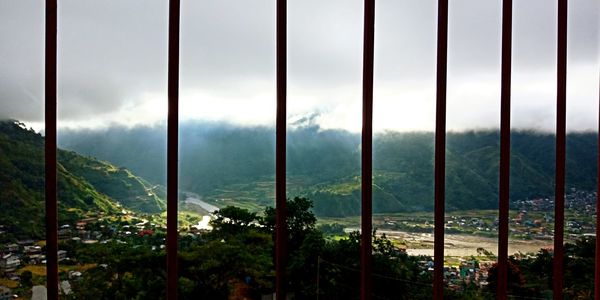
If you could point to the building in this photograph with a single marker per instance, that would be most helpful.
(25, 243)
(12, 248)
(62, 255)
(64, 233)
(9, 262)
(5, 293)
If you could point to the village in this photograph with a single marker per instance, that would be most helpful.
(530, 219)
(22, 262)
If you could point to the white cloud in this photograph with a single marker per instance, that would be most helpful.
(112, 62)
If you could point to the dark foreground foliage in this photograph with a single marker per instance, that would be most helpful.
(235, 261)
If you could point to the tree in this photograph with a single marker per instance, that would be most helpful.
(299, 218)
(26, 278)
(515, 279)
(233, 220)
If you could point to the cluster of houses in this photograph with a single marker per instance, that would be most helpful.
(12, 256)
(79, 232)
(469, 223)
(534, 219)
(523, 225)
(466, 272)
(25, 252)
(575, 200)
(5, 293)
(16, 255)
(581, 204)
(535, 228)
(95, 230)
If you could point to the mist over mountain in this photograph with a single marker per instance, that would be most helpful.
(228, 164)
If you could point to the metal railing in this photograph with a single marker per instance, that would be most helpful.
(50, 150)
(173, 148)
(367, 151)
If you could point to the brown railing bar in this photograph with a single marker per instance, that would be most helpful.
(280, 151)
(172, 149)
(440, 149)
(561, 118)
(50, 151)
(367, 151)
(597, 269)
(504, 186)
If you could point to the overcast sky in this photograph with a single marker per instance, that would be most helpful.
(112, 62)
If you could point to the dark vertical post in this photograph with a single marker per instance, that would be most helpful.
(597, 277)
(280, 148)
(367, 150)
(172, 149)
(50, 151)
(504, 186)
(561, 118)
(440, 149)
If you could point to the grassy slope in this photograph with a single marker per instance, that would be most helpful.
(22, 209)
(118, 183)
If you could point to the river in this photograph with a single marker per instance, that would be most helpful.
(197, 200)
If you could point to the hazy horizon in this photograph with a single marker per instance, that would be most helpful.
(39, 128)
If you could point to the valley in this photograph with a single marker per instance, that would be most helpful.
(112, 209)
(234, 165)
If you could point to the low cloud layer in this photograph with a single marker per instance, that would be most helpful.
(113, 62)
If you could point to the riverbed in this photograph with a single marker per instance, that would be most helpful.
(460, 245)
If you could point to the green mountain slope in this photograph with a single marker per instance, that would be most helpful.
(227, 164)
(117, 183)
(403, 171)
(84, 184)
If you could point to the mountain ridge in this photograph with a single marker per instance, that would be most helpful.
(228, 164)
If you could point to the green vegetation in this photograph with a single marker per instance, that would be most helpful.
(84, 185)
(229, 165)
(232, 167)
(235, 261)
(531, 274)
(117, 183)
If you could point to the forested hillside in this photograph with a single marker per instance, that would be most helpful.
(228, 164)
(84, 184)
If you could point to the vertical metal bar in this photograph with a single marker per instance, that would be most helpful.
(440, 149)
(561, 100)
(597, 276)
(504, 185)
(172, 149)
(280, 151)
(50, 151)
(367, 151)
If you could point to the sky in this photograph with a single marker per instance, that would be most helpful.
(112, 63)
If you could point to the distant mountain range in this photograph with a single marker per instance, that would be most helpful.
(234, 165)
(84, 184)
(228, 164)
